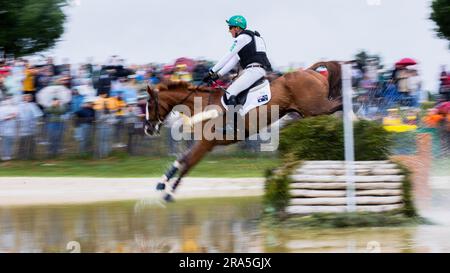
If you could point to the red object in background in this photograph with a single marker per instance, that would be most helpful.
(4, 71)
(324, 73)
(188, 62)
(167, 69)
(322, 70)
(444, 108)
(406, 62)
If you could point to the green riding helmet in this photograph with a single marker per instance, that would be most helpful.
(237, 21)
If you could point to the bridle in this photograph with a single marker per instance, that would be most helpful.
(147, 123)
(157, 127)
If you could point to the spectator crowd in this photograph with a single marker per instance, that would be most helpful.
(105, 104)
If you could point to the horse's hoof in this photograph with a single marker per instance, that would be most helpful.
(169, 198)
(161, 186)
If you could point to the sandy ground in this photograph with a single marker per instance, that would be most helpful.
(440, 182)
(72, 190)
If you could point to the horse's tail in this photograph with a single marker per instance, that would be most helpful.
(334, 77)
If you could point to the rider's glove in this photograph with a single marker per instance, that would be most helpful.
(211, 76)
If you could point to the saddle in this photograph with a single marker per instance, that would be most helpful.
(254, 96)
(241, 98)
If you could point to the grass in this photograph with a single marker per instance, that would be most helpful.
(124, 166)
(346, 220)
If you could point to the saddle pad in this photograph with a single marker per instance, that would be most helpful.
(257, 96)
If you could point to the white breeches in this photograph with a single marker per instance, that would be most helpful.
(248, 77)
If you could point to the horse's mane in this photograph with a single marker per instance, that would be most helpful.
(180, 85)
(171, 85)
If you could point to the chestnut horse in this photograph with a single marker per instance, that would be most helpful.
(305, 92)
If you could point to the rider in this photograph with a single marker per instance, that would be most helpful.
(249, 50)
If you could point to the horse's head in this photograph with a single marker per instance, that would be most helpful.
(154, 113)
(158, 107)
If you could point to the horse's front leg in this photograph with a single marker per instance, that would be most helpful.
(185, 162)
(184, 165)
(176, 165)
(191, 158)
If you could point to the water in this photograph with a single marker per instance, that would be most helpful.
(221, 225)
(203, 225)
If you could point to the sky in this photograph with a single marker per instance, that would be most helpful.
(297, 32)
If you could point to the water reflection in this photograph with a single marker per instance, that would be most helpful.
(422, 239)
(220, 225)
(373, 240)
(210, 225)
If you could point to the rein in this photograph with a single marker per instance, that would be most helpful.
(190, 93)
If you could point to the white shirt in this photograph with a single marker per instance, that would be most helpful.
(231, 58)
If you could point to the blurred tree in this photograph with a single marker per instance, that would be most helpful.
(441, 15)
(29, 26)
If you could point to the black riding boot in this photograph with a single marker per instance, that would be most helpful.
(231, 123)
(232, 101)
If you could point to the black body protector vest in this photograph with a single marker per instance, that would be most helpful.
(254, 52)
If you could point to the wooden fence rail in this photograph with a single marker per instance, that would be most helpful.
(320, 186)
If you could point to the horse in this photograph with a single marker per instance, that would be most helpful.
(306, 92)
